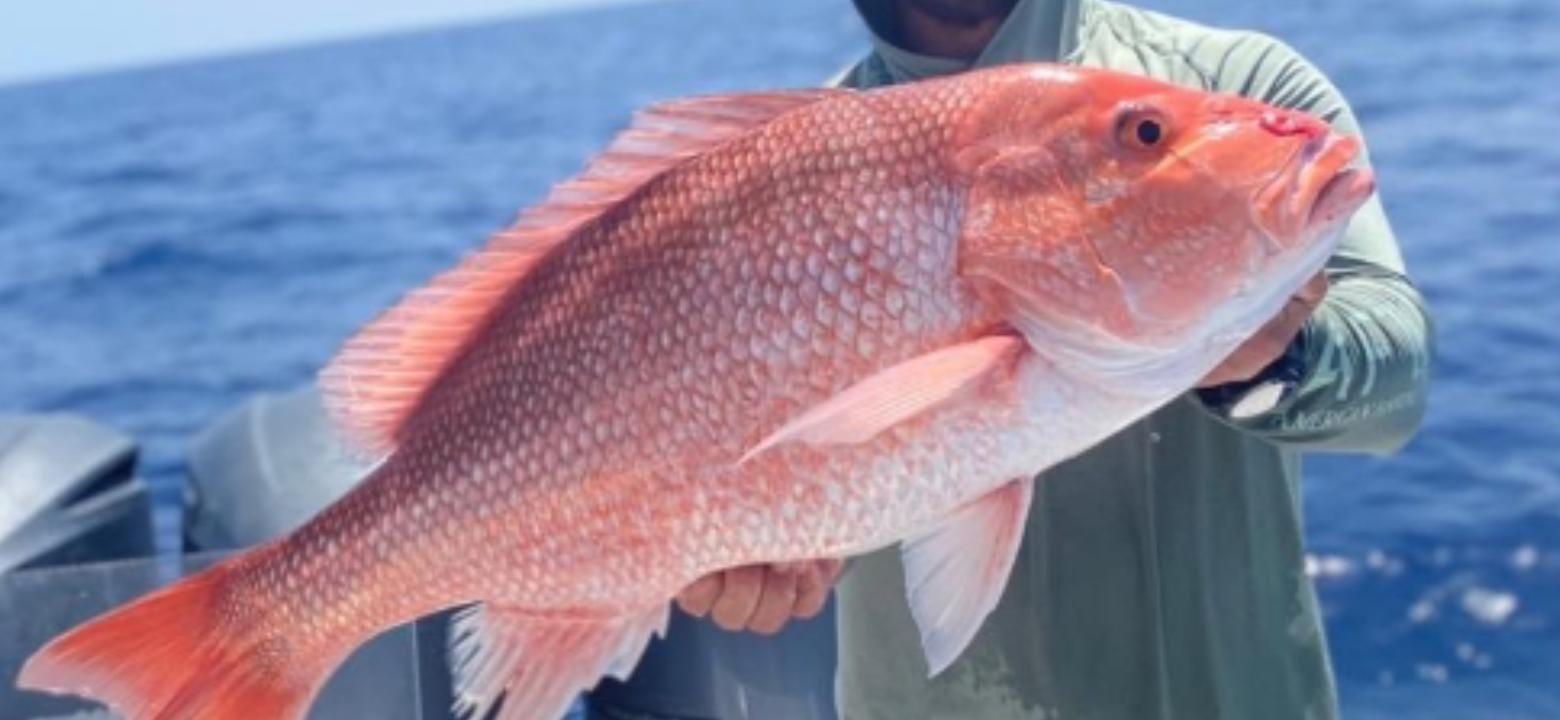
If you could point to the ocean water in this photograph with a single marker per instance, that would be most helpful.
(173, 240)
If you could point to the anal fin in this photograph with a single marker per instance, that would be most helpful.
(539, 663)
(955, 574)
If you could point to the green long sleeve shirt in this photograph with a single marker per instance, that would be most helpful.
(1162, 573)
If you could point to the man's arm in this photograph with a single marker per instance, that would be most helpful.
(1355, 377)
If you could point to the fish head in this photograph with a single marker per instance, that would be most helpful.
(1141, 231)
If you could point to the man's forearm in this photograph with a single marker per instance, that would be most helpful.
(1365, 368)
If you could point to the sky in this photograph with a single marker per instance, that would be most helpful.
(41, 39)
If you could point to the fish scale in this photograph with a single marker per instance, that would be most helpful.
(759, 328)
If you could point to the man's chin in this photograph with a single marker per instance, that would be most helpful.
(962, 12)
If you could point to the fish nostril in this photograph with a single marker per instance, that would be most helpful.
(1286, 123)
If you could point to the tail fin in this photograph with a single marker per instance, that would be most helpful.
(177, 653)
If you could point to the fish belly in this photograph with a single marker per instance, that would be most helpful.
(799, 502)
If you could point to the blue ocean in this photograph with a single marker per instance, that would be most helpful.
(176, 239)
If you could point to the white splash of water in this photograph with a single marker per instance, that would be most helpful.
(1491, 607)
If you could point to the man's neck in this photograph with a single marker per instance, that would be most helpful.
(927, 34)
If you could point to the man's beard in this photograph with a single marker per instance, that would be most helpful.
(963, 12)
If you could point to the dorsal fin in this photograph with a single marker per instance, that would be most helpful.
(379, 376)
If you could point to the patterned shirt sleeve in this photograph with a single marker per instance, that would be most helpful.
(1356, 378)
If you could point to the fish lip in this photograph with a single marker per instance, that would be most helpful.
(1315, 187)
(1341, 195)
(1326, 187)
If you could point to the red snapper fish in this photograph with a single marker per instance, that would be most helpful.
(761, 327)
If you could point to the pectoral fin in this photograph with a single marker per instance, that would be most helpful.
(955, 574)
(893, 395)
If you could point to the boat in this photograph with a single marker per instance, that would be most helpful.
(77, 539)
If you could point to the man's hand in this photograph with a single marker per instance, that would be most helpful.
(1270, 342)
(762, 598)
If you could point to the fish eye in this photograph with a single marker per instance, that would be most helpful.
(1141, 128)
(1148, 132)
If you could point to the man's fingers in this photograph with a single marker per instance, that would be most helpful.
(1245, 362)
(812, 592)
(762, 598)
(1274, 339)
(775, 603)
(794, 567)
(698, 598)
(1270, 342)
(1314, 291)
(738, 598)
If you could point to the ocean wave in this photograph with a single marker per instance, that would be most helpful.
(128, 176)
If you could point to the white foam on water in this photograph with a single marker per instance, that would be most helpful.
(1490, 607)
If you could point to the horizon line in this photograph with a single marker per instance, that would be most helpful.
(88, 72)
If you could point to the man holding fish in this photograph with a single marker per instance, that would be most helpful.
(1162, 574)
(785, 328)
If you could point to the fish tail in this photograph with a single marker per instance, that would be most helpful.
(180, 652)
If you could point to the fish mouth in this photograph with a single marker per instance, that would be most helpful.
(1317, 189)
